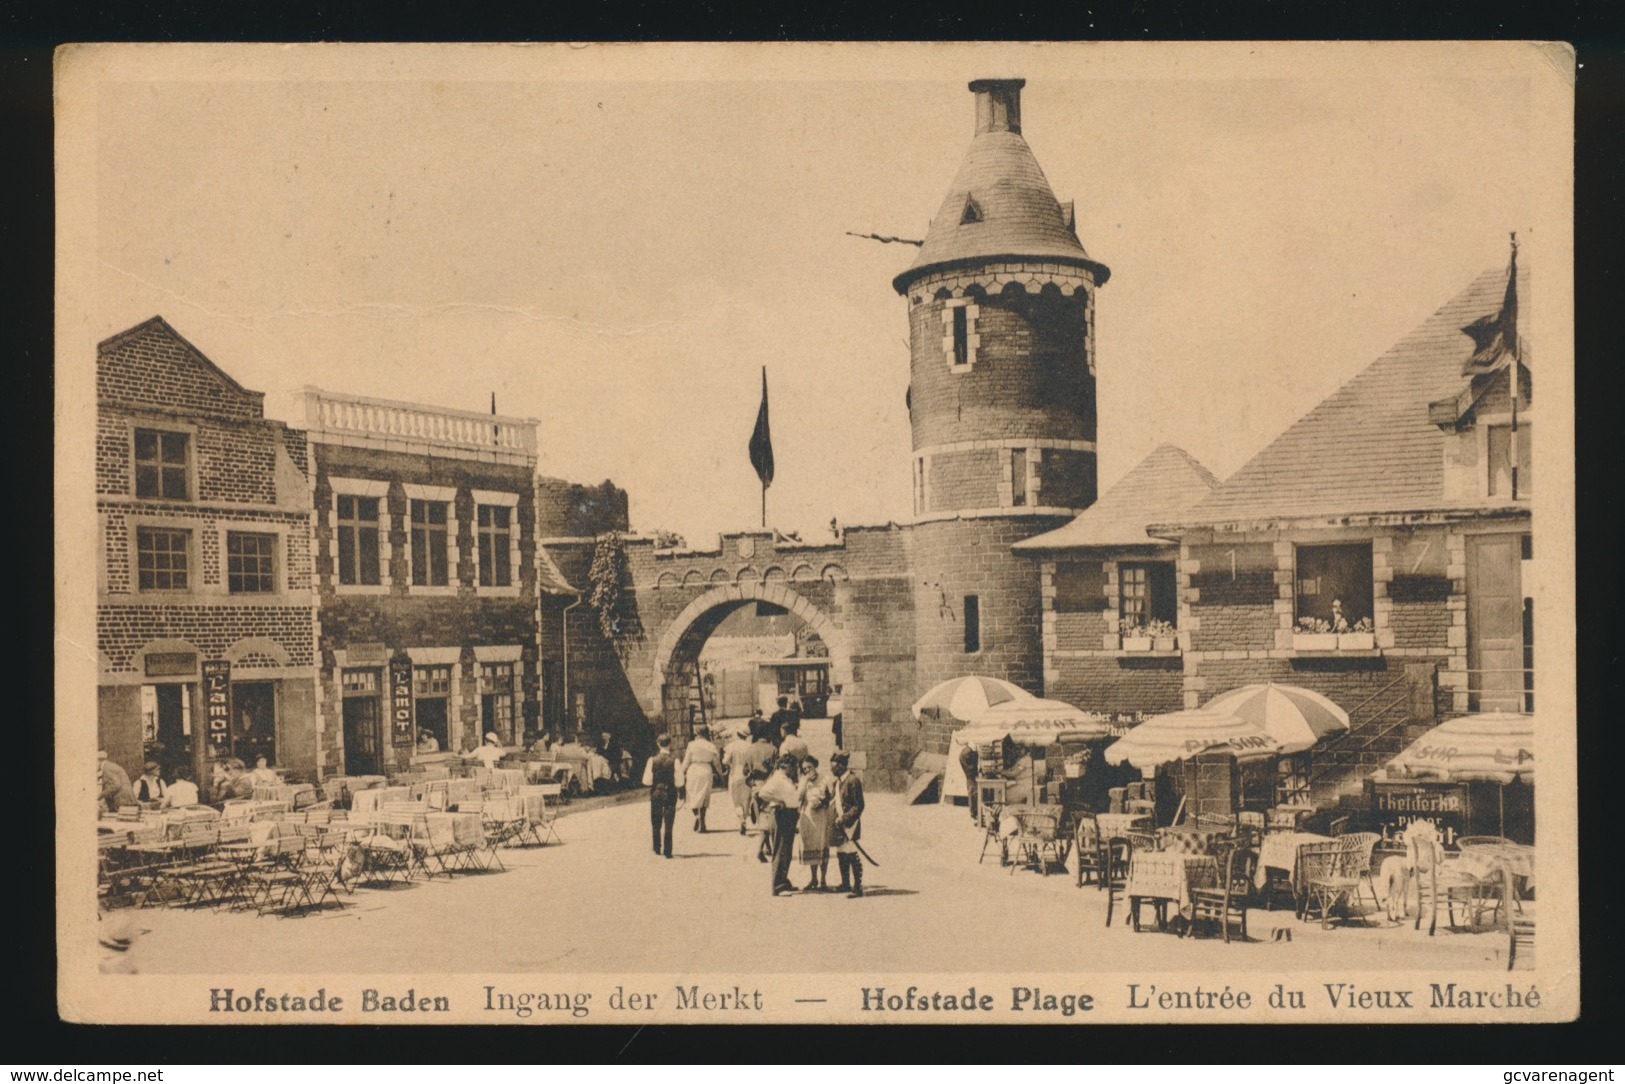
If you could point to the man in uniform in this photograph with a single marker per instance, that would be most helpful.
(848, 826)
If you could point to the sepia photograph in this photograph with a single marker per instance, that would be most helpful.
(847, 533)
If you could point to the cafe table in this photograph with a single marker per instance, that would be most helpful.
(1162, 878)
(1117, 824)
(1190, 840)
(1279, 851)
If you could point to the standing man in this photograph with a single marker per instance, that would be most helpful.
(848, 826)
(783, 796)
(967, 764)
(792, 744)
(835, 709)
(775, 724)
(662, 795)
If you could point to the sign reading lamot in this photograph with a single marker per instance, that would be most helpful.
(217, 706)
(400, 701)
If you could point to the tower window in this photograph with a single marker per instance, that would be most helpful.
(959, 340)
(973, 213)
(973, 624)
(1018, 477)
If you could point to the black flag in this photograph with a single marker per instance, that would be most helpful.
(761, 441)
(1495, 338)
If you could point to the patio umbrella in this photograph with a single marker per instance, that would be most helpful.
(1180, 735)
(1031, 720)
(1297, 718)
(967, 697)
(1497, 747)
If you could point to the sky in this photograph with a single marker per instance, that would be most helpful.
(615, 241)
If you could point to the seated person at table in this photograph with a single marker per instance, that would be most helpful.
(543, 744)
(235, 784)
(116, 792)
(182, 792)
(262, 775)
(149, 788)
(427, 743)
(489, 752)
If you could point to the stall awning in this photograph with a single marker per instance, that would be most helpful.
(1497, 747)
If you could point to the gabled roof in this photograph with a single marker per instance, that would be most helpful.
(1372, 446)
(143, 353)
(1163, 486)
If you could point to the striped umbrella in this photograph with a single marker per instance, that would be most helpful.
(1180, 735)
(1297, 718)
(1494, 746)
(967, 698)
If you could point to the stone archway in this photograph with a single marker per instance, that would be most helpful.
(689, 629)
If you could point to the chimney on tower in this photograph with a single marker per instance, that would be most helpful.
(998, 104)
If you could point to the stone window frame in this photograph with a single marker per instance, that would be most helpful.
(163, 424)
(1368, 545)
(1032, 465)
(454, 553)
(442, 656)
(972, 339)
(361, 487)
(511, 655)
(194, 562)
(279, 551)
(510, 500)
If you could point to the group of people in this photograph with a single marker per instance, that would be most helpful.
(232, 780)
(776, 787)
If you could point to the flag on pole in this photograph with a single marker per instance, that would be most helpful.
(761, 441)
(1495, 338)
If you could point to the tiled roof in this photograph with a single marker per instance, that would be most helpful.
(549, 580)
(1164, 485)
(1370, 447)
(1017, 213)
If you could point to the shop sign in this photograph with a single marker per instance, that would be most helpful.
(400, 701)
(365, 655)
(171, 664)
(1398, 804)
(217, 706)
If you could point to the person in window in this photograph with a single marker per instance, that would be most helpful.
(182, 792)
(149, 789)
(427, 743)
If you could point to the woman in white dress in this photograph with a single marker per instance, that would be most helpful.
(700, 762)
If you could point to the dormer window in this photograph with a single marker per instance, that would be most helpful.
(973, 213)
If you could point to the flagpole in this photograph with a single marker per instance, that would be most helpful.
(1517, 362)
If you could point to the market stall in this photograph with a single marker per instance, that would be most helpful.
(1028, 722)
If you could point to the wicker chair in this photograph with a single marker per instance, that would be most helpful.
(1039, 842)
(1226, 904)
(991, 816)
(1520, 923)
(1357, 862)
(1323, 884)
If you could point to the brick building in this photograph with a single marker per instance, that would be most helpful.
(1112, 637)
(204, 603)
(428, 578)
(1392, 505)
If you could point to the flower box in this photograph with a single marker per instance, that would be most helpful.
(1314, 641)
(1136, 643)
(1356, 641)
(1166, 643)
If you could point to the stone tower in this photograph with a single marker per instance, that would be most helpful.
(1001, 304)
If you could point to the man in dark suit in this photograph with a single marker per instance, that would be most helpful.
(776, 723)
(662, 795)
(848, 826)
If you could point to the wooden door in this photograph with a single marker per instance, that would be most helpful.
(363, 744)
(1495, 656)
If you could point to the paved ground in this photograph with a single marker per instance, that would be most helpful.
(603, 902)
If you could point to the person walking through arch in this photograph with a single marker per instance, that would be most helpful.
(661, 776)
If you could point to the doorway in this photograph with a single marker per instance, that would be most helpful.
(254, 728)
(363, 738)
(166, 726)
(1495, 623)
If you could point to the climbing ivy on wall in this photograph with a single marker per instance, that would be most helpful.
(606, 577)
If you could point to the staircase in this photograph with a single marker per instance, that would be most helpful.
(1380, 727)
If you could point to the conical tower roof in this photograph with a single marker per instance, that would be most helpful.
(1000, 205)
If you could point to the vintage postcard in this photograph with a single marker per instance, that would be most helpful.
(865, 533)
